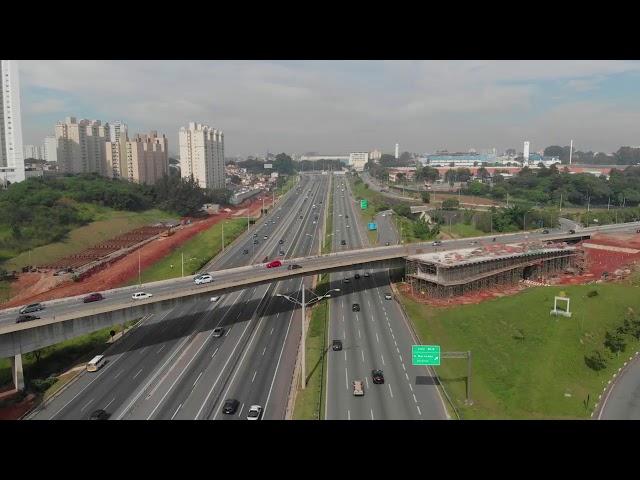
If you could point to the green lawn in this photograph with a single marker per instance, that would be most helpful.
(526, 363)
(108, 223)
(310, 402)
(197, 252)
(57, 358)
(5, 290)
(291, 181)
(461, 230)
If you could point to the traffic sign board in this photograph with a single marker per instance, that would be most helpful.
(373, 226)
(425, 354)
(363, 204)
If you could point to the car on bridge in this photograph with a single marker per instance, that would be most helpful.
(355, 307)
(343, 242)
(281, 241)
(217, 332)
(357, 276)
(293, 267)
(274, 264)
(93, 297)
(545, 231)
(245, 251)
(141, 295)
(206, 278)
(388, 296)
(378, 376)
(99, 415)
(436, 243)
(366, 274)
(230, 406)
(33, 307)
(26, 318)
(255, 412)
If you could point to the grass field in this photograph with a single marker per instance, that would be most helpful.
(57, 358)
(526, 363)
(108, 223)
(460, 230)
(197, 252)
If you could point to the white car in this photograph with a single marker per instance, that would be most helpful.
(387, 296)
(255, 412)
(141, 295)
(214, 299)
(206, 278)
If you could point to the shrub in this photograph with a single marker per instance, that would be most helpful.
(592, 293)
(40, 385)
(595, 361)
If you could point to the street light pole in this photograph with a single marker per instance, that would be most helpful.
(303, 360)
(182, 263)
(223, 236)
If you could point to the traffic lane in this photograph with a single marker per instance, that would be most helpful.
(623, 401)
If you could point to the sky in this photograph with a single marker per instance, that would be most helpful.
(336, 107)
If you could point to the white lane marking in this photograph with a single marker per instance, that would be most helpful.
(139, 372)
(404, 368)
(142, 351)
(372, 414)
(390, 391)
(345, 355)
(228, 332)
(406, 375)
(382, 357)
(343, 317)
(346, 378)
(362, 352)
(241, 408)
(214, 353)
(397, 350)
(271, 333)
(86, 404)
(254, 376)
(344, 335)
(176, 412)
(366, 380)
(107, 405)
(418, 409)
(377, 339)
(194, 383)
(414, 398)
(118, 374)
(161, 348)
(348, 414)
(359, 336)
(265, 349)
(411, 387)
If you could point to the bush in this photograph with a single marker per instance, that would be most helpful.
(595, 361)
(614, 342)
(39, 385)
(450, 204)
(592, 293)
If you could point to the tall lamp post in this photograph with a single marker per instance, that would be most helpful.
(304, 305)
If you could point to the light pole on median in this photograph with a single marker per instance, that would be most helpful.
(304, 305)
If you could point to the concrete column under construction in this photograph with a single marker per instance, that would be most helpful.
(16, 372)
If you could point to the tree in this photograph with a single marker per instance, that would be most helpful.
(283, 164)
(426, 197)
(595, 361)
(428, 174)
(614, 342)
(236, 180)
(403, 210)
(450, 204)
(405, 157)
(554, 151)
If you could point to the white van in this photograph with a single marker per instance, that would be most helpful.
(96, 363)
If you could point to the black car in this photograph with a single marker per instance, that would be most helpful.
(281, 253)
(387, 244)
(26, 318)
(245, 251)
(545, 231)
(572, 231)
(255, 242)
(300, 217)
(356, 276)
(346, 216)
(294, 267)
(377, 375)
(94, 297)
(343, 242)
(230, 406)
(34, 307)
(356, 307)
(336, 345)
(255, 234)
(99, 415)
(281, 242)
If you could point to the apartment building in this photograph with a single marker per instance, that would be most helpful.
(202, 155)
(82, 146)
(143, 159)
(358, 160)
(11, 154)
(50, 149)
(33, 151)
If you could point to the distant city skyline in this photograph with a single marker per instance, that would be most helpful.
(346, 106)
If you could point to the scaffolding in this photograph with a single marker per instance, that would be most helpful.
(466, 271)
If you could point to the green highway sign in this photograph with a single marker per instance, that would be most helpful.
(363, 204)
(425, 354)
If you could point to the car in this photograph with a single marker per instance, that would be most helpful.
(255, 412)
(358, 388)
(281, 241)
(355, 307)
(387, 296)
(348, 226)
(265, 237)
(336, 345)
(206, 278)
(26, 318)
(230, 406)
(339, 214)
(314, 222)
(346, 280)
(572, 231)
(245, 251)
(99, 415)
(436, 243)
(387, 243)
(281, 253)
(274, 264)
(217, 332)
(473, 242)
(346, 216)
(638, 230)
(545, 231)
(377, 376)
(255, 234)
(94, 297)
(141, 295)
(343, 242)
(293, 267)
(383, 215)
(300, 217)
(357, 276)
(214, 299)
(366, 274)
(256, 242)
(33, 307)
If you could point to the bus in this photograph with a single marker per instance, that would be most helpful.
(96, 363)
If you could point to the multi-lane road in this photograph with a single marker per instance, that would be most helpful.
(171, 366)
(375, 337)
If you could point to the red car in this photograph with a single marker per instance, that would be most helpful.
(274, 264)
(94, 297)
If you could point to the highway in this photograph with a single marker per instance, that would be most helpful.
(622, 401)
(376, 337)
(150, 371)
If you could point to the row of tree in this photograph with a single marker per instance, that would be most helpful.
(623, 156)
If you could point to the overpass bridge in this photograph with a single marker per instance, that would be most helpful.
(67, 318)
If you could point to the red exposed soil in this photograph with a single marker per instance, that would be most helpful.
(38, 287)
(18, 409)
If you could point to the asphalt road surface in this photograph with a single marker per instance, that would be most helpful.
(376, 337)
(152, 369)
(623, 400)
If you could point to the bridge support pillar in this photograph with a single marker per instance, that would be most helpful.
(16, 372)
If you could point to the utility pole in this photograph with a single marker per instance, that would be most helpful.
(139, 270)
(507, 199)
(561, 203)
(303, 360)
(570, 152)
(182, 263)
(223, 236)
(609, 203)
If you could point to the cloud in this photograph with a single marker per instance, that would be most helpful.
(48, 105)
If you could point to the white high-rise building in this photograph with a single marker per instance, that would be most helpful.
(358, 160)
(397, 151)
(202, 155)
(50, 149)
(11, 154)
(525, 153)
(376, 155)
(82, 146)
(144, 159)
(33, 151)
